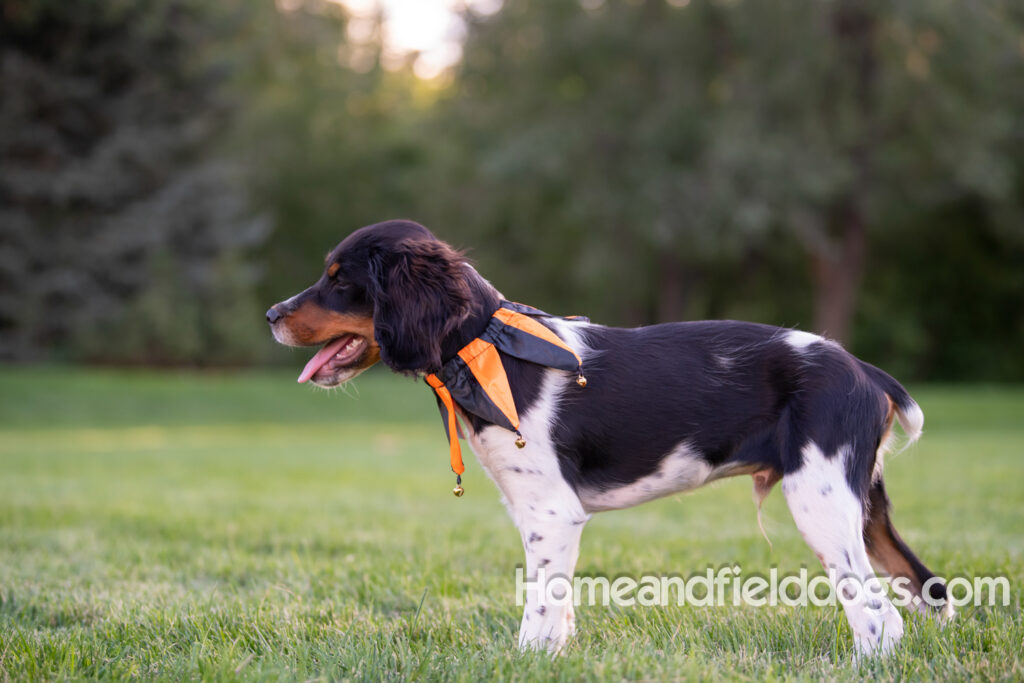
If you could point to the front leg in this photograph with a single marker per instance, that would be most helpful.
(545, 509)
(551, 532)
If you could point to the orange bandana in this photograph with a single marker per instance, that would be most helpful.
(475, 378)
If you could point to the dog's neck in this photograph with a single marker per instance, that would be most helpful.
(485, 300)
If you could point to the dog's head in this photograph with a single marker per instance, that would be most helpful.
(390, 291)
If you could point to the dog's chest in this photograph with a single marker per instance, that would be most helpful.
(524, 474)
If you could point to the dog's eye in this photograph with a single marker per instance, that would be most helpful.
(342, 285)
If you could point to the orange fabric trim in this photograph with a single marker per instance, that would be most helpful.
(454, 450)
(484, 361)
(531, 326)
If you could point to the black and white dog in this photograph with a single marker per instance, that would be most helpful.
(667, 408)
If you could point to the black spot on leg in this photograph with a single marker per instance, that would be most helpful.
(534, 536)
(846, 554)
(577, 522)
(826, 489)
(552, 512)
(873, 628)
(541, 610)
(874, 604)
(517, 470)
(544, 562)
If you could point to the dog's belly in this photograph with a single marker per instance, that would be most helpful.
(681, 470)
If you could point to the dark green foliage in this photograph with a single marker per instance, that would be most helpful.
(169, 168)
(121, 226)
(652, 161)
(946, 302)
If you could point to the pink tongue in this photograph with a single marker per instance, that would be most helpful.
(321, 357)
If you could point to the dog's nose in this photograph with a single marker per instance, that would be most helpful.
(272, 315)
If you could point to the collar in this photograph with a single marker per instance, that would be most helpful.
(475, 378)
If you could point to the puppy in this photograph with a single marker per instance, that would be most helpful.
(636, 414)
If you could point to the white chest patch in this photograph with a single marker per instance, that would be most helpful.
(681, 470)
(523, 473)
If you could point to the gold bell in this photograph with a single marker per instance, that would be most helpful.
(520, 442)
(581, 380)
(458, 491)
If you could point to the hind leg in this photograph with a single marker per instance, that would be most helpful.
(890, 554)
(831, 519)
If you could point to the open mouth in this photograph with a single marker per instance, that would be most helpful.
(333, 359)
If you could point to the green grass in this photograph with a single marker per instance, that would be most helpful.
(174, 526)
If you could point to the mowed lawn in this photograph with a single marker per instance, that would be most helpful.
(222, 526)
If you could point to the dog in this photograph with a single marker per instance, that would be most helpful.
(649, 412)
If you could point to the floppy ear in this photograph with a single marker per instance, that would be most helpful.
(420, 295)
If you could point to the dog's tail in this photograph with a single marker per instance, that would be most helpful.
(890, 553)
(908, 413)
(886, 548)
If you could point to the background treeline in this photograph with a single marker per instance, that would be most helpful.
(169, 168)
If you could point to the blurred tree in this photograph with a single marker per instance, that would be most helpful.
(116, 212)
(328, 134)
(945, 298)
(682, 138)
(168, 168)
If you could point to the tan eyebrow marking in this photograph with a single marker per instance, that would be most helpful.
(333, 269)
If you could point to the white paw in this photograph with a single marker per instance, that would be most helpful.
(546, 628)
(878, 633)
